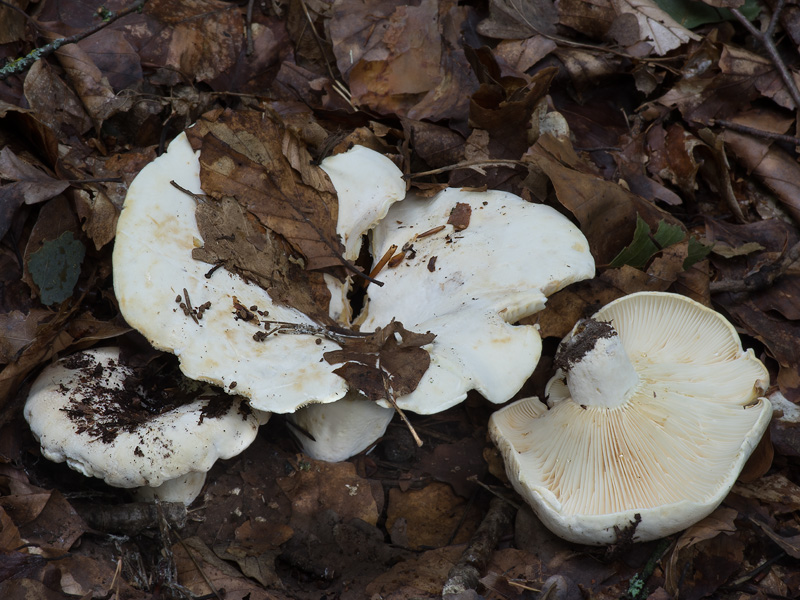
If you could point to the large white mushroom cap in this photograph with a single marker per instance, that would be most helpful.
(654, 416)
(79, 409)
(466, 284)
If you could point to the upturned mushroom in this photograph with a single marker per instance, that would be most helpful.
(91, 410)
(465, 266)
(654, 410)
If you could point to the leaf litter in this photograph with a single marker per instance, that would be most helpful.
(675, 150)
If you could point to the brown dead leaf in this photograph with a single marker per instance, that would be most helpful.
(599, 206)
(391, 358)
(197, 566)
(17, 331)
(655, 25)
(336, 486)
(87, 577)
(720, 521)
(94, 90)
(438, 146)
(255, 546)
(55, 103)
(790, 545)
(649, 151)
(9, 536)
(740, 64)
(28, 588)
(459, 216)
(429, 517)
(505, 110)
(250, 156)
(418, 577)
(410, 64)
(31, 184)
(518, 19)
(243, 246)
(777, 169)
(195, 40)
(590, 17)
(521, 55)
(12, 22)
(782, 494)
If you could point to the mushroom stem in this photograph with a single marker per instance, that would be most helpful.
(599, 372)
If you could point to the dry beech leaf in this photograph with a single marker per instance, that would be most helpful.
(251, 157)
(655, 25)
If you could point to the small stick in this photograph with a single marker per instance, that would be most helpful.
(467, 571)
(770, 135)
(468, 165)
(390, 398)
(24, 63)
(425, 234)
(382, 262)
(769, 45)
(248, 27)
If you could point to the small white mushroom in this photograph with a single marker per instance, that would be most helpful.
(88, 410)
(653, 413)
(340, 429)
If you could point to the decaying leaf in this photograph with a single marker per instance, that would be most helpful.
(390, 359)
(251, 157)
(56, 266)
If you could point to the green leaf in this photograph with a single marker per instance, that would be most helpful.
(55, 267)
(697, 252)
(668, 234)
(692, 13)
(640, 250)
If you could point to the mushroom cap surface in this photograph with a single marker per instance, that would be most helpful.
(466, 285)
(74, 408)
(669, 452)
(153, 265)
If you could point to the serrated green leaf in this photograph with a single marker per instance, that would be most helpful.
(667, 234)
(640, 250)
(697, 252)
(55, 267)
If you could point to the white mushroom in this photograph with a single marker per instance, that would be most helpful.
(340, 429)
(652, 416)
(465, 281)
(89, 410)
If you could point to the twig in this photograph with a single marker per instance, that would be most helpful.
(21, 64)
(760, 279)
(770, 135)
(248, 27)
(499, 162)
(390, 398)
(467, 571)
(769, 45)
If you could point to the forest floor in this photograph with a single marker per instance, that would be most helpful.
(670, 139)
